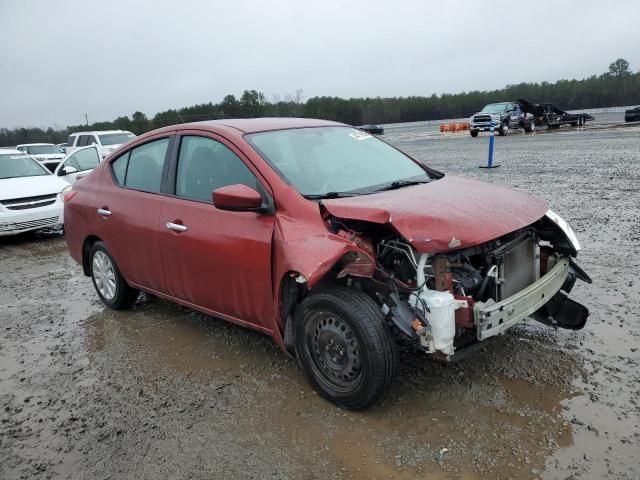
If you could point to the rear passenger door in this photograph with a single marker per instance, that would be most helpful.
(217, 260)
(130, 210)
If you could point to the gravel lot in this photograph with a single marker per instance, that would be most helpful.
(163, 392)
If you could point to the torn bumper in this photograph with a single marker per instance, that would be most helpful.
(493, 319)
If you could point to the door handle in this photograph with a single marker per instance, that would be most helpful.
(104, 212)
(176, 227)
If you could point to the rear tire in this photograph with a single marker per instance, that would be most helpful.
(474, 133)
(344, 347)
(109, 283)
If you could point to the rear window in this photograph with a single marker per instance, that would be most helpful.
(146, 164)
(119, 167)
(115, 138)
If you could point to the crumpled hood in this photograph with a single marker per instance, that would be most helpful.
(11, 188)
(445, 214)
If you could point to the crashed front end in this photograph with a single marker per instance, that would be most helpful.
(451, 300)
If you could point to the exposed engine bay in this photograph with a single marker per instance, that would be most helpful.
(447, 301)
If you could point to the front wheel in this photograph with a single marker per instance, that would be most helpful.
(504, 129)
(344, 347)
(107, 279)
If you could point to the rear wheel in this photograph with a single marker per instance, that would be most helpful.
(110, 285)
(344, 347)
(474, 133)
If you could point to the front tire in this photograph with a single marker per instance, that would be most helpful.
(344, 347)
(109, 283)
(504, 129)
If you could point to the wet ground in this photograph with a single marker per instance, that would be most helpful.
(163, 392)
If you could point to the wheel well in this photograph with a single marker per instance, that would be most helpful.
(86, 249)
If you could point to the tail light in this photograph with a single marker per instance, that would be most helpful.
(69, 195)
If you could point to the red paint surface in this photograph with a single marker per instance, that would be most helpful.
(431, 215)
(232, 264)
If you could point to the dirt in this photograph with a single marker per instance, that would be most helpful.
(161, 391)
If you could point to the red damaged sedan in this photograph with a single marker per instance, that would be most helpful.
(325, 237)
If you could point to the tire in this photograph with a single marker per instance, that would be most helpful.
(344, 347)
(109, 283)
(530, 126)
(474, 133)
(504, 129)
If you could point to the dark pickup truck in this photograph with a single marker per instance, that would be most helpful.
(524, 115)
(632, 115)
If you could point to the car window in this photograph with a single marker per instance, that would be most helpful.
(91, 140)
(119, 167)
(22, 149)
(82, 141)
(146, 163)
(84, 159)
(71, 140)
(205, 165)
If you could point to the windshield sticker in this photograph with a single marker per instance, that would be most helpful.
(360, 135)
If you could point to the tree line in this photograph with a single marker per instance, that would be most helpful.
(618, 86)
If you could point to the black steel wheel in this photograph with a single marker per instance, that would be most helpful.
(344, 346)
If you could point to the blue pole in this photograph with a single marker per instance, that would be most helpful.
(491, 134)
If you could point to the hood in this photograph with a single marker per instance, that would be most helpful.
(445, 214)
(30, 186)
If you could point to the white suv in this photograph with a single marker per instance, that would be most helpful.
(106, 141)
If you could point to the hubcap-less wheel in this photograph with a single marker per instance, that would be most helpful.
(104, 275)
(335, 350)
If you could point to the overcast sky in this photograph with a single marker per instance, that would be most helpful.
(61, 59)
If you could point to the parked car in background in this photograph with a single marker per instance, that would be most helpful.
(325, 237)
(30, 195)
(106, 140)
(632, 115)
(46, 153)
(78, 164)
(373, 129)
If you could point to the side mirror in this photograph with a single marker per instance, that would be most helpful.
(66, 171)
(239, 198)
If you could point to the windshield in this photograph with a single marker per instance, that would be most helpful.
(496, 108)
(43, 150)
(115, 138)
(322, 160)
(15, 165)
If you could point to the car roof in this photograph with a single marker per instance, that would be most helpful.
(6, 151)
(88, 132)
(252, 125)
(34, 144)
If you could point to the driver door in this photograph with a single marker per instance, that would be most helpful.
(78, 164)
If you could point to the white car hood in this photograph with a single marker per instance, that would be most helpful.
(30, 186)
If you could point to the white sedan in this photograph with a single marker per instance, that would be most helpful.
(31, 197)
